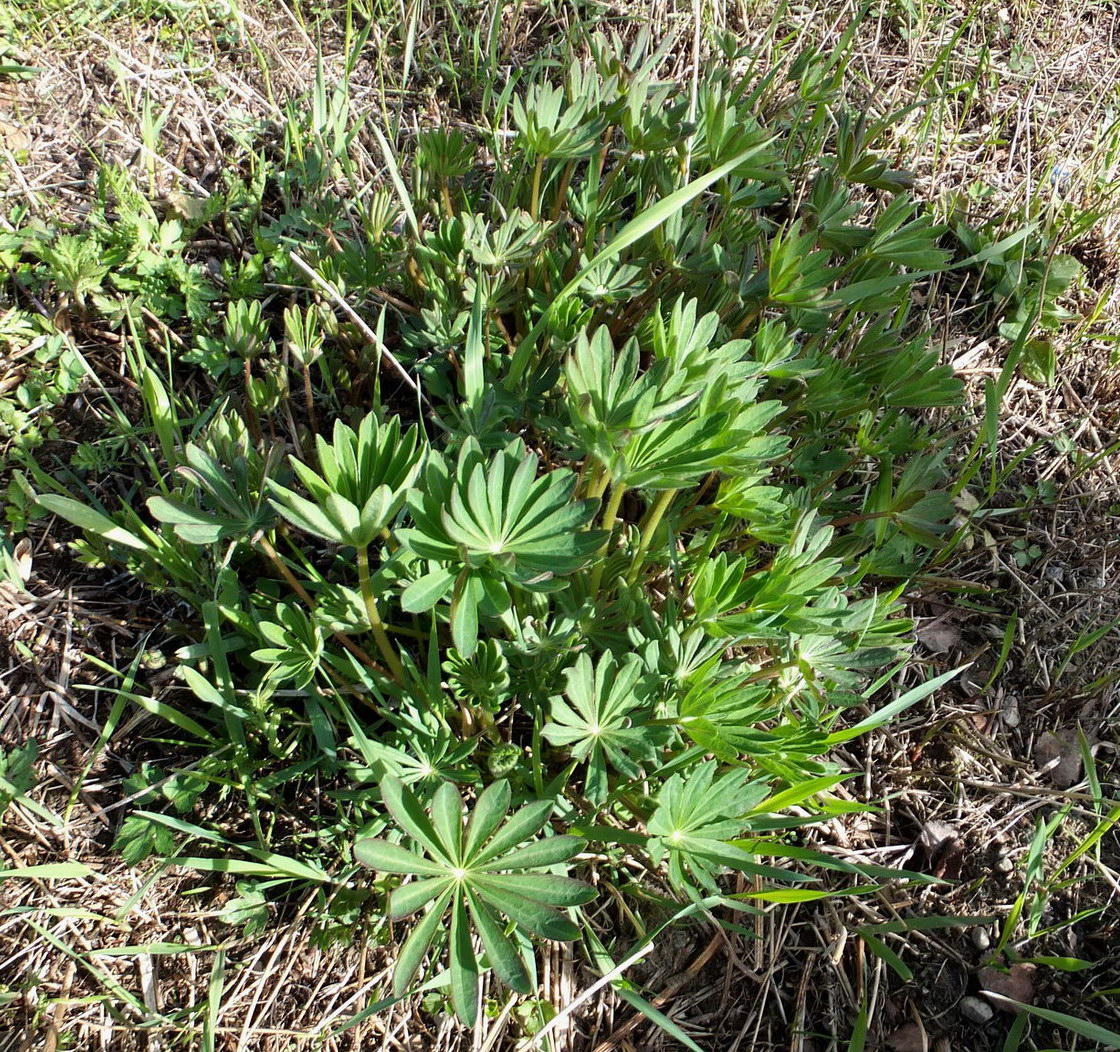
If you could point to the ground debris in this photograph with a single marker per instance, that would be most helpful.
(1059, 756)
(1017, 983)
(909, 1038)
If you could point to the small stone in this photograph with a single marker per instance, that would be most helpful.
(1003, 865)
(980, 938)
(1053, 572)
(976, 1011)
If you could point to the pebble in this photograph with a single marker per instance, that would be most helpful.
(980, 938)
(1010, 710)
(1053, 572)
(976, 1011)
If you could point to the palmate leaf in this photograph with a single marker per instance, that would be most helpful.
(482, 679)
(722, 714)
(296, 649)
(693, 354)
(608, 401)
(674, 452)
(229, 477)
(695, 818)
(361, 484)
(496, 511)
(493, 523)
(692, 412)
(643, 427)
(479, 871)
(600, 720)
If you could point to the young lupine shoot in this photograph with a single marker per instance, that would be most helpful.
(362, 482)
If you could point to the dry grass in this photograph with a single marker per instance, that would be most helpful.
(961, 787)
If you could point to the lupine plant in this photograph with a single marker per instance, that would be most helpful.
(626, 552)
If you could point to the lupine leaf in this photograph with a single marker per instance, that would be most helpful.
(415, 895)
(392, 858)
(545, 852)
(503, 955)
(411, 954)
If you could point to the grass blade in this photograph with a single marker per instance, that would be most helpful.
(1081, 1027)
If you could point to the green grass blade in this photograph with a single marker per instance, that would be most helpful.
(48, 871)
(899, 705)
(214, 991)
(1081, 1027)
(858, 1041)
(887, 956)
(395, 177)
(659, 1019)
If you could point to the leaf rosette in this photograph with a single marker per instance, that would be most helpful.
(490, 866)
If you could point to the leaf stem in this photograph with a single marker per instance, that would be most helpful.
(714, 537)
(614, 173)
(309, 398)
(649, 528)
(293, 583)
(598, 484)
(534, 201)
(252, 419)
(377, 626)
(562, 192)
(610, 516)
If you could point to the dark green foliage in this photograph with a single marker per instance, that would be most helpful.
(627, 552)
